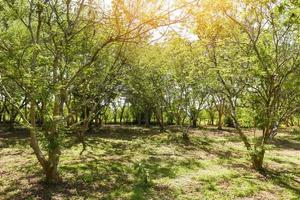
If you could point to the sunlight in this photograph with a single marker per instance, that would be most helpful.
(149, 99)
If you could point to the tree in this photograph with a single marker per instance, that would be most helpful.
(52, 49)
(262, 41)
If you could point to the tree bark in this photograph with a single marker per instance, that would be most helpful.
(52, 175)
(178, 120)
(147, 120)
(220, 120)
(257, 160)
(194, 120)
(160, 120)
(139, 119)
(122, 113)
(49, 166)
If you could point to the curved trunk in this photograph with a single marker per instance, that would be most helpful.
(49, 166)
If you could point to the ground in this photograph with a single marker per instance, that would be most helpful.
(138, 163)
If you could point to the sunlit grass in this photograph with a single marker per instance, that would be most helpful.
(211, 166)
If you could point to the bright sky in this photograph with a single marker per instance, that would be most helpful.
(158, 33)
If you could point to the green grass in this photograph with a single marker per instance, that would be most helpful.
(135, 163)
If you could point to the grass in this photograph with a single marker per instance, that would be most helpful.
(136, 163)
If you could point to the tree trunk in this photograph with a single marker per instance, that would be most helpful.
(220, 116)
(147, 120)
(178, 120)
(139, 119)
(43, 109)
(258, 156)
(211, 118)
(194, 120)
(162, 128)
(81, 133)
(52, 175)
(100, 120)
(160, 120)
(122, 113)
(12, 119)
(115, 117)
(50, 166)
(185, 134)
(257, 160)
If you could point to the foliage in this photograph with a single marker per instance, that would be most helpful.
(72, 66)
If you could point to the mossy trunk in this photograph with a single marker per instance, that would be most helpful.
(257, 160)
(51, 169)
(52, 175)
(49, 166)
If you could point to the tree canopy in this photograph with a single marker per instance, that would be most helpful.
(69, 66)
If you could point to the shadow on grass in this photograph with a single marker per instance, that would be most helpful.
(110, 174)
(124, 132)
(286, 144)
(10, 138)
(107, 176)
(16, 133)
(285, 178)
(210, 146)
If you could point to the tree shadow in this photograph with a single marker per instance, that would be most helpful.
(16, 133)
(124, 132)
(141, 192)
(209, 146)
(286, 144)
(285, 178)
(8, 138)
(110, 175)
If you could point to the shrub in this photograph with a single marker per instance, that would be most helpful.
(296, 131)
(228, 121)
(142, 174)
